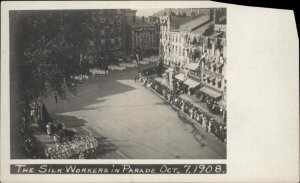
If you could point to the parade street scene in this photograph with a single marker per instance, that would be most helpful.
(118, 84)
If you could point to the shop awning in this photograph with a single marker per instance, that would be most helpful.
(222, 103)
(216, 34)
(191, 83)
(180, 77)
(193, 66)
(210, 92)
(169, 70)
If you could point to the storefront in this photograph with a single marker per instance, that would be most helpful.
(180, 77)
(193, 66)
(206, 91)
(192, 85)
(178, 83)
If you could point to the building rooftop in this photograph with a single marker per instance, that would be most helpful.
(182, 11)
(195, 23)
(203, 28)
(177, 21)
(139, 23)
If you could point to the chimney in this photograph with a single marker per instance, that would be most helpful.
(143, 19)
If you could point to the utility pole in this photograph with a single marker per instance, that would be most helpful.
(138, 61)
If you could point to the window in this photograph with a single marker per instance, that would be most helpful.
(213, 82)
(219, 84)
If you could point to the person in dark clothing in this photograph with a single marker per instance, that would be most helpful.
(55, 98)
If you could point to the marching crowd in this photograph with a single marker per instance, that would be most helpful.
(68, 145)
(204, 119)
(78, 147)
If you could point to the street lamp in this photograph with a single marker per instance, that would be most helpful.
(137, 60)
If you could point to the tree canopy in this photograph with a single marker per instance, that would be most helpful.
(45, 50)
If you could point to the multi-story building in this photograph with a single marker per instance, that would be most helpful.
(142, 33)
(194, 49)
(155, 21)
(106, 38)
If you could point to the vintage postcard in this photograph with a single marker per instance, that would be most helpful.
(115, 91)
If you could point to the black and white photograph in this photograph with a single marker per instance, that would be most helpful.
(118, 83)
(148, 91)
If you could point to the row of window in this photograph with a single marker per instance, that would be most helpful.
(213, 82)
(164, 28)
(147, 37)
(144, 43)
(177, 49)
(214, 68)
(174, 38)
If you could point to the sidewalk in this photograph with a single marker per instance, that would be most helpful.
(201, 106)
(195, 102)
(221, 146)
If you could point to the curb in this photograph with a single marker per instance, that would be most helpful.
(190, 120)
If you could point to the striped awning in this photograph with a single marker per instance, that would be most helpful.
(191, 83)
(193, 66)
(216, 34)
(180, 77)
(210, 92)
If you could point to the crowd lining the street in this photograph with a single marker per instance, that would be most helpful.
(219, 130)
(211, 103)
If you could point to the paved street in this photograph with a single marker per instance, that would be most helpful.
(138, 122)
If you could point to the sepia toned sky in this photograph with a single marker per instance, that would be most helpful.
(147, 12)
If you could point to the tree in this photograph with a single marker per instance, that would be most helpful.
(45, 51)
